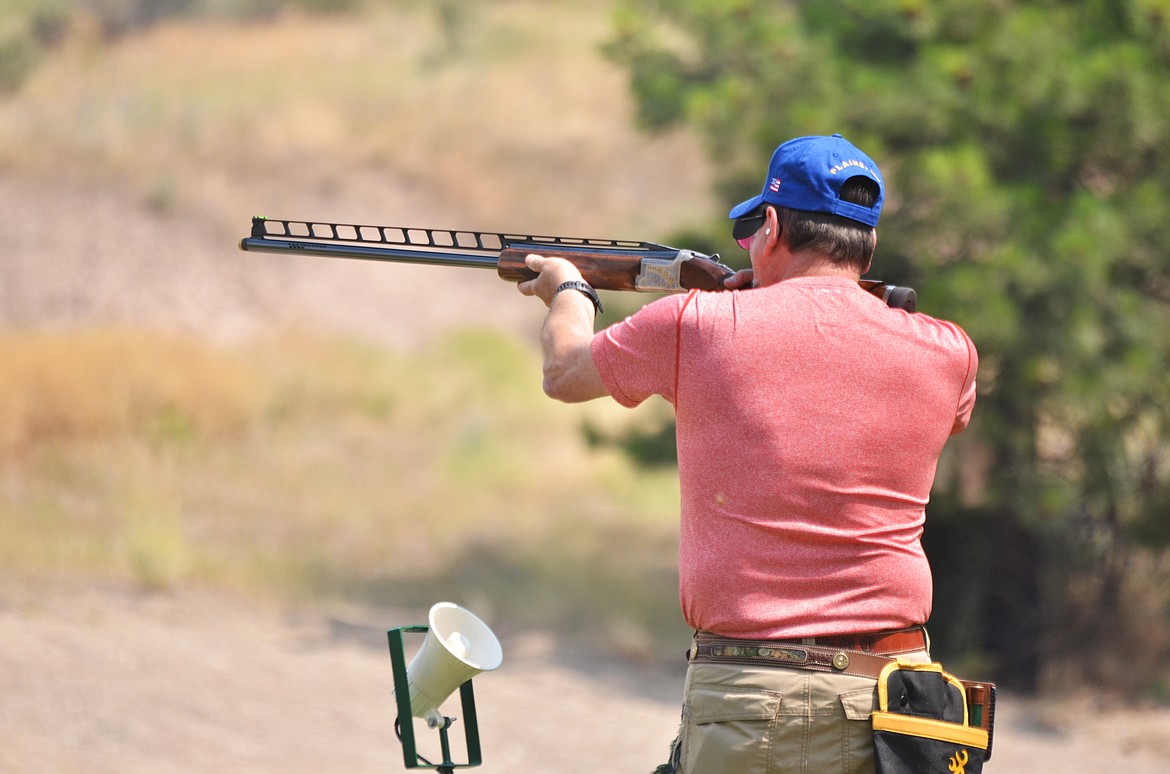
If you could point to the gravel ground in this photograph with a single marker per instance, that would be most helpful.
(110, 679)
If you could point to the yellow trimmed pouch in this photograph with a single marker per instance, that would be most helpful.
(923, 724)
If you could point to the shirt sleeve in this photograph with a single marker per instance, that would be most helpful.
(967, 396)
(638, 357)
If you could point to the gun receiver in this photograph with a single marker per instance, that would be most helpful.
(607, 264)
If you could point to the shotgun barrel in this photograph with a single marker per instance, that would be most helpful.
(608, 264)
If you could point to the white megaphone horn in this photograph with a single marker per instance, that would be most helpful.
(458, 646)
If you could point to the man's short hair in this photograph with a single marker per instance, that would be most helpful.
(843, 241)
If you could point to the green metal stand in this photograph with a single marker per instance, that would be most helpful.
(405, 722)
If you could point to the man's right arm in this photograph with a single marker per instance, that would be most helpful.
(570, 375)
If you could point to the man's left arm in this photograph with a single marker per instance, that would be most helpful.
(570, 375)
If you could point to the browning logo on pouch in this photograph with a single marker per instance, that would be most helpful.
(959, 762)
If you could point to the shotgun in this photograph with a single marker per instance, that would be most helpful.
(606, 264)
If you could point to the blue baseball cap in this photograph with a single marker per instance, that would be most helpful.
(807, 174)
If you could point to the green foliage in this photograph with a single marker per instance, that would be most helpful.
(648, 447)
(1024, 150)
(26, 30)
(18, 56)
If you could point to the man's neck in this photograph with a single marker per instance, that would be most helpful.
(790, 266)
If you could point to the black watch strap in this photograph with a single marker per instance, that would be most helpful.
(583, 287)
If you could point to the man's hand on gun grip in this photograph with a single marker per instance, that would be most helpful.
(745, 278)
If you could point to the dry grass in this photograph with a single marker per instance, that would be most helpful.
(63, 386)
(305, 467)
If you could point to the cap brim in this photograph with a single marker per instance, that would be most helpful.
(743, 208)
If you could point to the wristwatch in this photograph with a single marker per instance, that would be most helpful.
(585, 288)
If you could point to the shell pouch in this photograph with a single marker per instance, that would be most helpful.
(929, 721)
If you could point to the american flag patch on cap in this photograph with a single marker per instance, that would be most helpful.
(774, 186)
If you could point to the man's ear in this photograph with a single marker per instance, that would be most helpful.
(869, 263)
(771, 226)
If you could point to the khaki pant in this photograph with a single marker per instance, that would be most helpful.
(775, 720)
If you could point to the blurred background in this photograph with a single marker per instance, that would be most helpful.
(223, 475)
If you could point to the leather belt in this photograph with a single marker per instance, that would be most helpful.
(793, 654)
(891, 643)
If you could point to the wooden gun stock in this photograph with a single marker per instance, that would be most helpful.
(610, 271)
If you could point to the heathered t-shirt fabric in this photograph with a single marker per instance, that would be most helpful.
(810, 418)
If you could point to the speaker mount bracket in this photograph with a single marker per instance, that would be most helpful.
(405, 728)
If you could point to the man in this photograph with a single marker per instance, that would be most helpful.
(810, 418)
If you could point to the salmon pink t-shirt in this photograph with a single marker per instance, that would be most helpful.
(810, 418)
